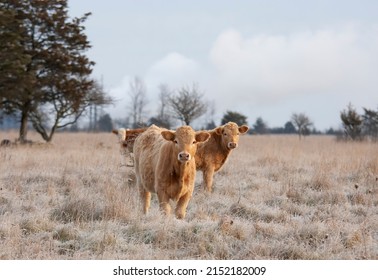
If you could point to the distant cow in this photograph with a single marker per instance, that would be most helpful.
(121, 133)
(212, 155)
(126, 139)
(164, 164)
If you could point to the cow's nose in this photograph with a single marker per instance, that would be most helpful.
(183, 156)
(232, 145)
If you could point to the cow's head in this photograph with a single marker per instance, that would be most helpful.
(230, 134)
(121, 133)
(185, 140)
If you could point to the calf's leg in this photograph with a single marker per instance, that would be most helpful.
(165, 207)
(146, 200)
(208, 175)
(182, 204)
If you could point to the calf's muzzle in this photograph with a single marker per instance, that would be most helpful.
(232, 145)
(183, 156)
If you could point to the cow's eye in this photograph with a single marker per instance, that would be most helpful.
(194, 142)
(225, 134)
(175, 141)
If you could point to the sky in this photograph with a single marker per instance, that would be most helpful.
(261, 58)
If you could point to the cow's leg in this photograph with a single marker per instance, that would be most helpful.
(182, 204)
(145, 196)
(208, 175)
(164, 202)
(146, 199)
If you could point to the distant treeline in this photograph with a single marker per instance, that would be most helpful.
(353, 126)
(105, 123)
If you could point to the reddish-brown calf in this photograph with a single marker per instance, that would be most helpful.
(126, 138)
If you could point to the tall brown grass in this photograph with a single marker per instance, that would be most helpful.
(276, 198)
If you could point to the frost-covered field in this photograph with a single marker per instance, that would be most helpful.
(276, 198)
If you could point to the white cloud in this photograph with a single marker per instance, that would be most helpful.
(267, 68)
(174, 69)
(120, 95)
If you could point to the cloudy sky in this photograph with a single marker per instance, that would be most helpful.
(266, 59)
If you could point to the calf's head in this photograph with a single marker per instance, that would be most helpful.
(185, 141)
(121, 133)
(230, 134)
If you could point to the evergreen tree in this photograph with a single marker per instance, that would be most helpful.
(370, 123)
(352, 123)
(231, 116)
(260, 127)
(105, 123)
(289, 128)
(49, 81)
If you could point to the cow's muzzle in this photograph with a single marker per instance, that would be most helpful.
(232, 145)
(183, 156)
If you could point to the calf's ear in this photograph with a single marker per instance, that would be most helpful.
(219, 130)
(168, 135)
(243, 129)
(202, 136)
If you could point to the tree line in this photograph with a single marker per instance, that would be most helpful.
(187, 103)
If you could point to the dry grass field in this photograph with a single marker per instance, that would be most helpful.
(276, 198)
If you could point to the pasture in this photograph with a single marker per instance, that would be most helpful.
(275, 198)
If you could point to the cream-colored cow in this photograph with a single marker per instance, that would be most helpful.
(165, 164)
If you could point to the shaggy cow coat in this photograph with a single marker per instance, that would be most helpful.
(165, 164)
(212, 155)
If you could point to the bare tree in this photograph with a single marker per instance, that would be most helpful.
(61, 112)
(302, 124)
(187, 104)
(137, 93)
(164, 94)
(163, 118)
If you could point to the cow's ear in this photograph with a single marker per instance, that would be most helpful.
(168, 135)
(202, 136)
(219, 130)
(243, 129)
